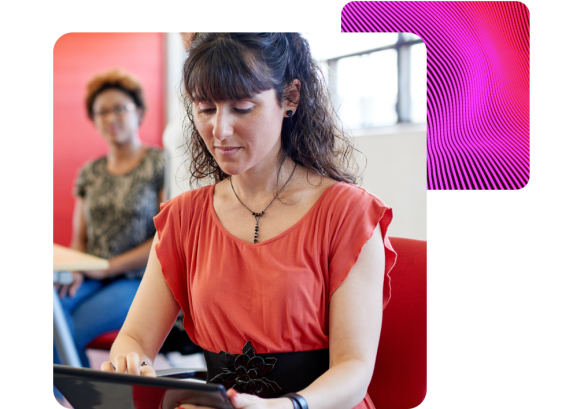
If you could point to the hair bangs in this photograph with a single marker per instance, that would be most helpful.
(222, 72)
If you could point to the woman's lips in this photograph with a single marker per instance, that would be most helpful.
(227, 150)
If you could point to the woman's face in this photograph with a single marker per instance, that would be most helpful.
(116, 117)
(243, 134)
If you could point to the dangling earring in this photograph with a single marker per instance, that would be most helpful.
(289, 112)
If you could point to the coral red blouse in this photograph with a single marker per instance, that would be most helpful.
(275, 293)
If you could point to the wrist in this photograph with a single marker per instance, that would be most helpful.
(298, 401)
(281, 403)
(112, 267)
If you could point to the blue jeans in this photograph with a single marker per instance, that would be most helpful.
(97, 307)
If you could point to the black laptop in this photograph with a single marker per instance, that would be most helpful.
(91, 389)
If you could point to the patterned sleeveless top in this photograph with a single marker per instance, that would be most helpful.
(119, 209)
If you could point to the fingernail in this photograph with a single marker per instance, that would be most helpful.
(113, 366)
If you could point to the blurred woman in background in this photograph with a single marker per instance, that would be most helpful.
(116, 198)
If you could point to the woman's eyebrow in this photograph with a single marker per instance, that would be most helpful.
(253, 98)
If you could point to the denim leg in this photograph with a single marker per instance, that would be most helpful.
(104, 311)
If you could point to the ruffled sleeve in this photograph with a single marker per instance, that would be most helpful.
(357, 213)
(170, 225)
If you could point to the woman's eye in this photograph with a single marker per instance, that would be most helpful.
(206, 110)
(242, 110)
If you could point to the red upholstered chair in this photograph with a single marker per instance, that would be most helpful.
(104, 341)
(399, 379)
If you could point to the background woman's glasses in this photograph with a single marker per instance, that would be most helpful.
(118, 111)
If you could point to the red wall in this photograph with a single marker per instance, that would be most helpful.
(77, 57)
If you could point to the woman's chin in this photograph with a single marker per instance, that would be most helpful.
(231, 167)
(231, 170)
(118, 140)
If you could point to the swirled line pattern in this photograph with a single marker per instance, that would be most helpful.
(477, 86)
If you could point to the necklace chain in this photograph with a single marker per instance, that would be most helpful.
(259, 215)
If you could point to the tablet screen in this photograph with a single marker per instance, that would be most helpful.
(91, 389)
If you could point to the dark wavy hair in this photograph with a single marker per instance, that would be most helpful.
(232, 66)
(114, 79)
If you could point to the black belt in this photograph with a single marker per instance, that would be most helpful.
(266, 375)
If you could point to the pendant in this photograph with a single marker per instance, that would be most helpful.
(257, 226)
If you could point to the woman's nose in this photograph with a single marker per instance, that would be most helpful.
(109, 116)
(222, 127)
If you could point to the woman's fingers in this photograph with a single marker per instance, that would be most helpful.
(244, 400)
(63, 290)
(137, 367)
(129, 363)
(120, 363)
(237, 400)
(147, 370)
(107, 367)
(133, 363)
(77, 281)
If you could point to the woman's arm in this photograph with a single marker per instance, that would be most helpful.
(130, 260)
(356, 311)
(151, 316)
(79, 240)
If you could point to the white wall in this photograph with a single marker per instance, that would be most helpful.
(396, 173)
(175, 56)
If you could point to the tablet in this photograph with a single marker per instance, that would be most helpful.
(91, 389)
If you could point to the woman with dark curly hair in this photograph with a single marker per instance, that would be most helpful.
(280, 267)
(116, 198)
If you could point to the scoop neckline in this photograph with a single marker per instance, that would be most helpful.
(278, 236)
(142, 160)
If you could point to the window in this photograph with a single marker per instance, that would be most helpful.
(375, 79)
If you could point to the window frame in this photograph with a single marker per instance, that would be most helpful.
(402, 46)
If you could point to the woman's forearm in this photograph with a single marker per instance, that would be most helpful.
(78, 245)
(343, 386)
(130, 260)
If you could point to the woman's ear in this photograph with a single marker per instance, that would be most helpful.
(293, 97)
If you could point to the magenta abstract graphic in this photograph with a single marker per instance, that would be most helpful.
(478, 85)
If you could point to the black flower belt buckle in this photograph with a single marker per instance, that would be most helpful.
(246, 373)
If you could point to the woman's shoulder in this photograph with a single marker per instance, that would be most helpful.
(350, 194)
(345, 201)
(154, 154)
(150, 167)
(92, 166)
(189, 201)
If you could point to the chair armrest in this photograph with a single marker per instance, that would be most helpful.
(183, 373)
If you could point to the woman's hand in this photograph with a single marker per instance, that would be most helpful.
(130, 364)
(246, 401)
(97, 274)
(72, 288)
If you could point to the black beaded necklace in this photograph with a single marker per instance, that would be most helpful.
(259, 215)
